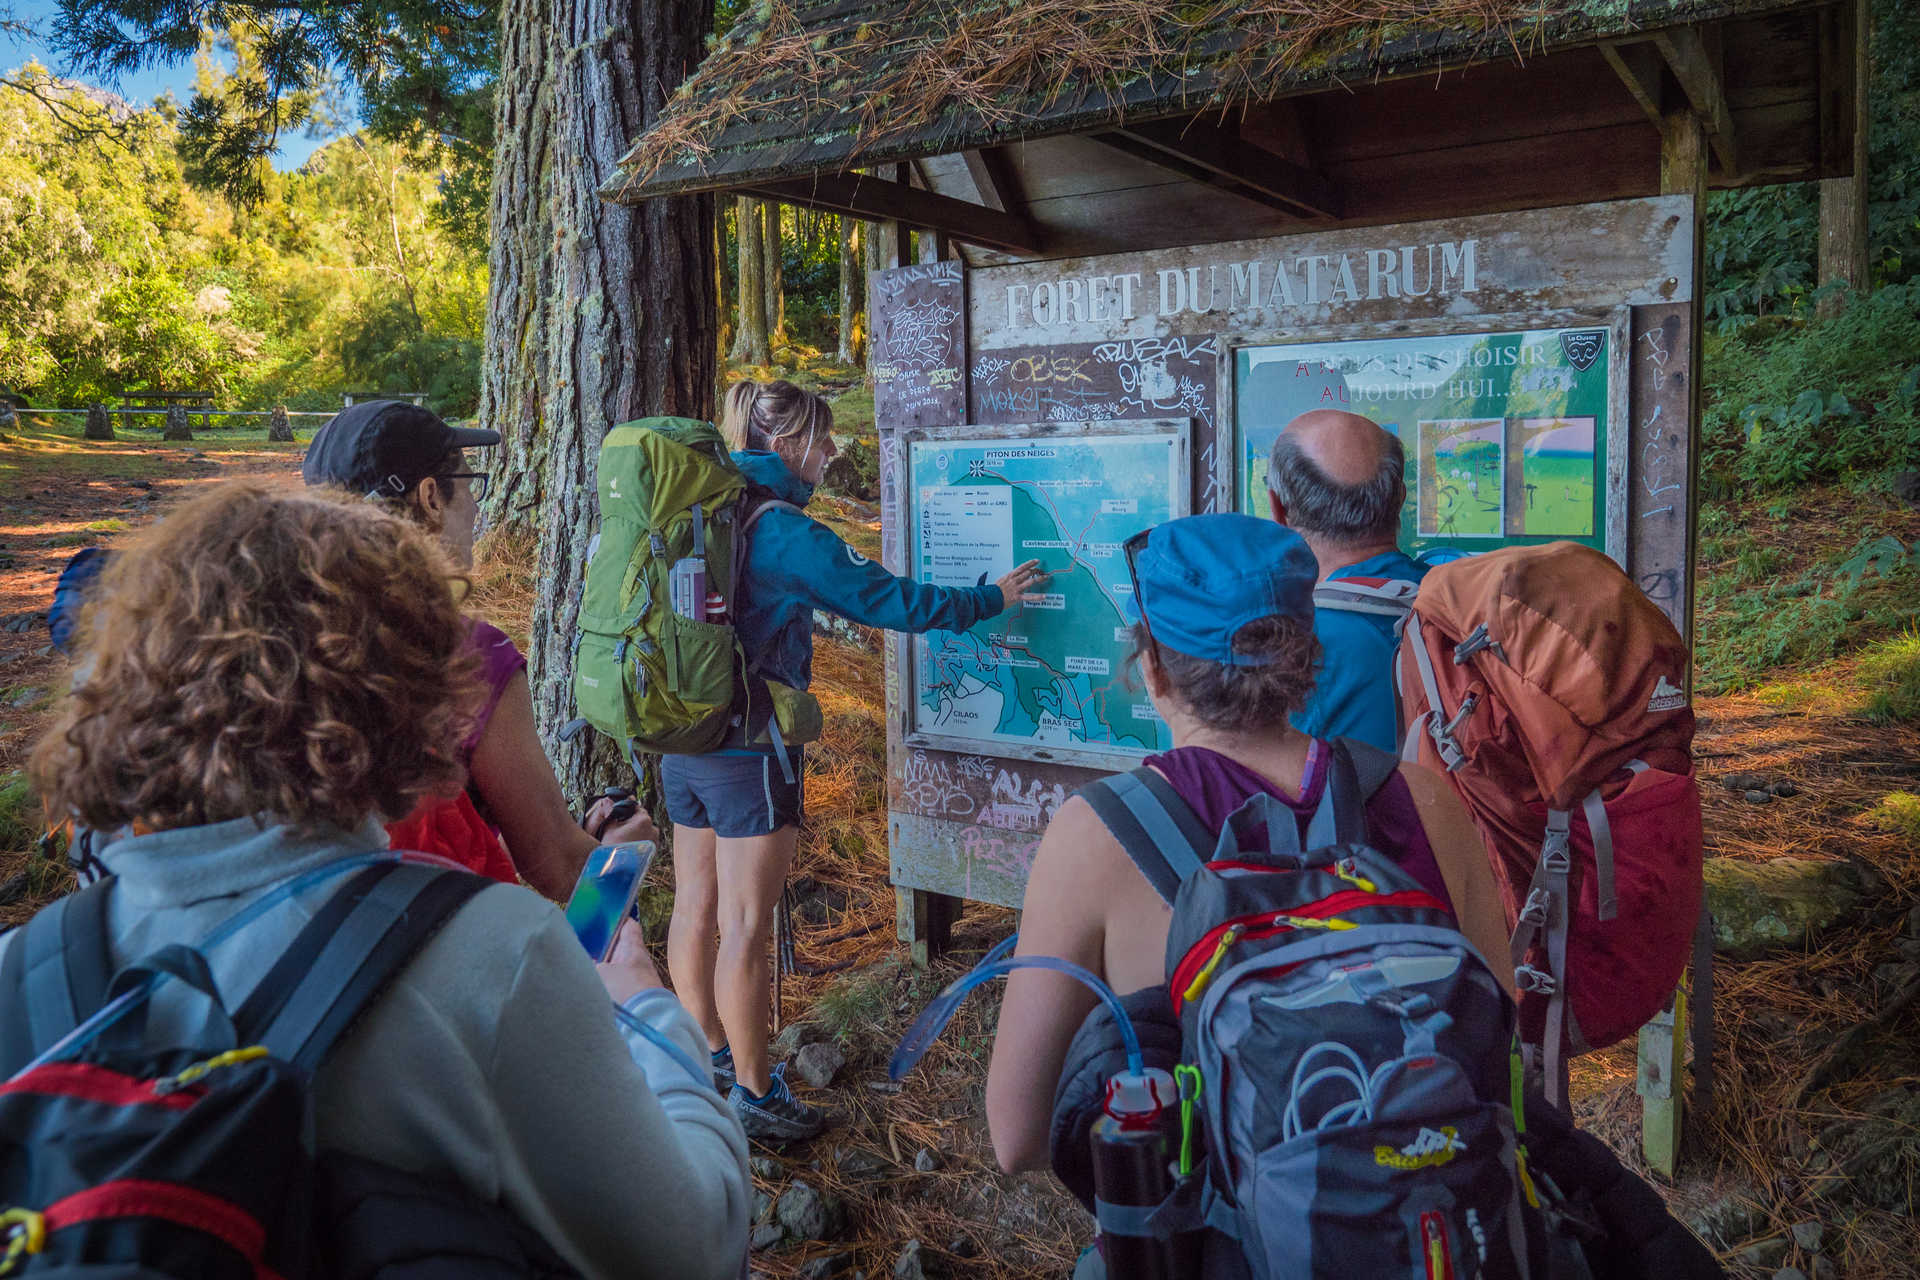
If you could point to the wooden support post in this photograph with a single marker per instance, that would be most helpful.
(1658, 1080)
(1844, 246)
(1662, 1059)
(924, 921)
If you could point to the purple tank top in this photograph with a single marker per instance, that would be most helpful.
(1214, 786)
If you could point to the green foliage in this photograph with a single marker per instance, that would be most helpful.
(1885, 555)
(1890, 678)
(1822, 400)
(860, 1003)
(117, 275)
(19, 813)
(1899, 813)
(1755, 617)
(424, 70)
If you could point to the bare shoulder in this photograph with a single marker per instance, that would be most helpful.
(1076, 851)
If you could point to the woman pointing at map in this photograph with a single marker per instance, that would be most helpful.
(736, 812)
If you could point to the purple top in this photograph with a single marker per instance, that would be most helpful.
(1215, 785)
(500, 660)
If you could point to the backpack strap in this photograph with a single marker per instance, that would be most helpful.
(347, 955)
(754, 504)
(1387, 597)
(1160, 832)
(56, 973)
(1355, 771)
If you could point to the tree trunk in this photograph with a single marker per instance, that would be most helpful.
(849, 306)
(750, 337)
(599, 312)
(279, 425)
(770, 273)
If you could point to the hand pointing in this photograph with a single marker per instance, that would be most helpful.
(1017, 582)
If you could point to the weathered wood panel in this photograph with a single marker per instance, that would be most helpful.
(1123, 380)
(1660, 452)
(1580, 257)
(919, 345)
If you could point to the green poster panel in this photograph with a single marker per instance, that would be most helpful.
(1506, 434)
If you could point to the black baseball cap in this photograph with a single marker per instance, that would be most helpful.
(383, 448)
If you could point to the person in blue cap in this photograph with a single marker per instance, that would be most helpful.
(1223, 637)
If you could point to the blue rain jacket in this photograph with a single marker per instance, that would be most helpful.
(796, 565)
(1353, 696)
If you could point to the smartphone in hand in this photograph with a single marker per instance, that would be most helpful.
(605, 893)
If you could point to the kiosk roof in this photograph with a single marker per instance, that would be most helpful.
(1032, 127)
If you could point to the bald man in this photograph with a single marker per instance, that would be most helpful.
(1338, 480)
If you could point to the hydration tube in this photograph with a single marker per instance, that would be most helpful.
(117, 1008)
(659, 1041)
(934, 1018)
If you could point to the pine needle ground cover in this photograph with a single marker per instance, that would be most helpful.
(1771, 1154)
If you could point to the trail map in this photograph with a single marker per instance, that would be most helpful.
(1052, 673)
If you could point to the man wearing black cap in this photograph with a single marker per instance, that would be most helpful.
(389, 449)
(397, 452)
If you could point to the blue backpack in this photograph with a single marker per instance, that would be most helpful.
(1356, 1071)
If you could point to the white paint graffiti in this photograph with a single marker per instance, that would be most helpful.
(929, 787)
(919, 336)
(1017, 805)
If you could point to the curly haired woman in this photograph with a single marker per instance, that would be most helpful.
(275, 673)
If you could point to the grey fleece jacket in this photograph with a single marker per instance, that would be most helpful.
(494, 1059)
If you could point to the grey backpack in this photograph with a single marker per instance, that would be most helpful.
(1356, 1069)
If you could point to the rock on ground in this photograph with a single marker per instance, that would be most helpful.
(809, 1215)
(819, 1063)
(793, 1037)
(1760, 906)
(822, 1268)
(907, 1266)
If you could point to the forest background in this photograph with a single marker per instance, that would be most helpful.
(154, 247)
(127, 264)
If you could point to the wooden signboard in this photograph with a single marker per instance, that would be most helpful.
(1566, 330)
(919, 345)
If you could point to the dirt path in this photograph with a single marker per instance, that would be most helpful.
(58, 494)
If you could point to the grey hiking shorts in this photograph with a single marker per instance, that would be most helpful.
(735, 795)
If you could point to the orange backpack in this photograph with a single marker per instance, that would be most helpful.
(1552, 693)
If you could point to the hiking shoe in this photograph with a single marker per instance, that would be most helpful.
(722, 1059)
(777, 1117)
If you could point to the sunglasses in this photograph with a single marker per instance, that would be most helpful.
(1131, 549)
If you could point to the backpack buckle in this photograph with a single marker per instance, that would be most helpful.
(1539, 901)
(1535, 981)
(1556, 848)
(22, 1232)
(1476, 640)
(657, 544)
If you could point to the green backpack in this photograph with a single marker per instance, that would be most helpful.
(650, 674)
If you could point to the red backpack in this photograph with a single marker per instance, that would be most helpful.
(1551, 692)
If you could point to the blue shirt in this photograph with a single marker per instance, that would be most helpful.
(1353, 697)
(796, 565)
